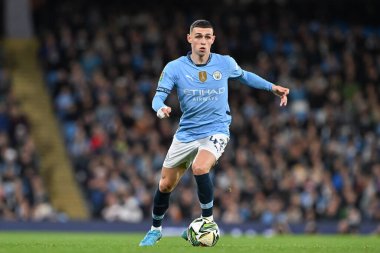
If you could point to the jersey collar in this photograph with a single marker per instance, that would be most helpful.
(198, 65)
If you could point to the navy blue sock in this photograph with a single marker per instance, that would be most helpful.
(160, 205)
(205, 193)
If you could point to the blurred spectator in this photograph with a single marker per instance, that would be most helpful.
(22, 192)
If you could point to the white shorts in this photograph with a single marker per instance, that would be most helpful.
(184, 153)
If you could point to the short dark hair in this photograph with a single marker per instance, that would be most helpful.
(202, 23)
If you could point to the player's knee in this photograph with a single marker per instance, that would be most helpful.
(166, 186)
(199, 169)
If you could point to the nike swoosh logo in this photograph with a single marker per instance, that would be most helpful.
(189, 77)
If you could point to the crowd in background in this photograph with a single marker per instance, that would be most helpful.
(22, 192)
(316, 159)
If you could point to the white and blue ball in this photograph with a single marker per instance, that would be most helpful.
(203, 232)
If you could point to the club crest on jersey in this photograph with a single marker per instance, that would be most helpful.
(217, 75)
(202, 76)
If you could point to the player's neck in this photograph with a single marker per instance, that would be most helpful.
(199, 60)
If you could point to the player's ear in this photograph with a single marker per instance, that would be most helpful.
(189, 38)
(213, 39)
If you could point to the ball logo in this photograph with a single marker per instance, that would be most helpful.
(217, 75)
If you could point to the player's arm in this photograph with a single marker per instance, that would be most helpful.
(163, 111)
(165, 85)
(282, 92)
(257, 82)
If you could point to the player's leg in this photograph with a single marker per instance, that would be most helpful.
(201, 166)
(173, 168)
(169, 180)
(210, 150)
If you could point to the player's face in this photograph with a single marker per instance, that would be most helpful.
(201, 40)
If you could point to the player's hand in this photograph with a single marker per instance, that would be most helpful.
(282, 93)
(164, 112)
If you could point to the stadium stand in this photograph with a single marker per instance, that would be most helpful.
(23, 195)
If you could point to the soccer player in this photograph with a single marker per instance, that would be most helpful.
(201, 79)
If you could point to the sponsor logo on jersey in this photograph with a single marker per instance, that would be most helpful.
(204, 92)
(217, 75)
(203, 95)
(202, 76)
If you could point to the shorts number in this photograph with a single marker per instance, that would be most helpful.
(219, 144)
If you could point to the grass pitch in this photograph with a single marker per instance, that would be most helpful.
(57, 242)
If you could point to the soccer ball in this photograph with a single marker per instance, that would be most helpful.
(203, 232)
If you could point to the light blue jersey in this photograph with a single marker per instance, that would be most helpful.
(203, 93)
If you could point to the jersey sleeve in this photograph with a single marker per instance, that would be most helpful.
(234, 69)
(248, 78)
(164, 87)
(167, 79)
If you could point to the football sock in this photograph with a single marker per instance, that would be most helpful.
(156, 228)
(205, 193)
(160, 205)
